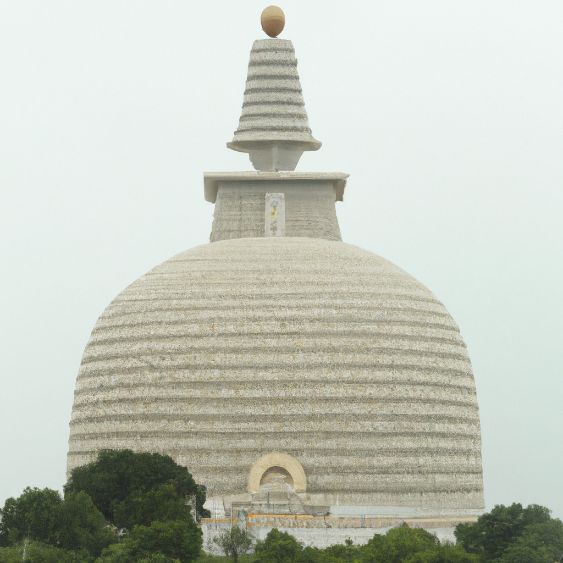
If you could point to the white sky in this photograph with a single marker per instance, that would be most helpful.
(447, 114)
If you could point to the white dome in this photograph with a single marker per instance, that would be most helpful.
(312, 348)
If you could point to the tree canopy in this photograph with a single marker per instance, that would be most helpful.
(146, 496)
(278, 547)
(37, 552)
(163, 542)
(234, 542)
(32, 515)
(399, 544)
(131, 488)
(72, 523)
(510, 533)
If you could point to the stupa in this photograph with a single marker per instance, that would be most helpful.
(294, 375)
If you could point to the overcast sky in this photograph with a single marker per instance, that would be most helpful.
(448, 115)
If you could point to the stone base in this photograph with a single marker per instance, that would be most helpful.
(321, 531)
(323, 505)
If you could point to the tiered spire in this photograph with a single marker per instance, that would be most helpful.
(274, 200)
(273, 126)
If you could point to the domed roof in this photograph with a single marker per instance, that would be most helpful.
(314, 348)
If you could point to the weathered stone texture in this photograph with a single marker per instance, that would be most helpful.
(273, 108)
(315, 348)
(309, 209)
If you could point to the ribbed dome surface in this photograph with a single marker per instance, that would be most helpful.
(310, 347)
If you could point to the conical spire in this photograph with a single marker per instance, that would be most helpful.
(273, 126)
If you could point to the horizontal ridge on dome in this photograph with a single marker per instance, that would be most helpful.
(221, 351)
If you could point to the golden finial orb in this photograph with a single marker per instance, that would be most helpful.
(272, 20)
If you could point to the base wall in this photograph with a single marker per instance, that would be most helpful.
(325, 531)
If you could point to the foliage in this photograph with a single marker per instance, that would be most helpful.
(176, 539)
(340, 552)
(169, 541)
(143, 507)
(208, 558)
(81, 526)
(398, 545)
(32, 515)
(539, 543)
(510, 533)
(118, 480)
(535, 537)
(444, 554)
(234, 542)
(278, 547)
(145, 493)
(42, 515)
(38, 552)
(404, 545)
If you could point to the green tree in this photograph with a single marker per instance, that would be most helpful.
(176, 539)
(444, 554)
(544, 540)
(524, 554)
(234, 542)
(145, 506)
(278, 547)
(42, 515)
(496, 531)
(398, 545)
(81, 526)
(32, 515)
(118, 480)
(37, 552)
(341, 552)
(161, 541)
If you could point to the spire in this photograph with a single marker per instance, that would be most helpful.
(273, 127)
(274, 200)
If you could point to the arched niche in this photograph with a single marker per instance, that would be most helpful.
(273, 462)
